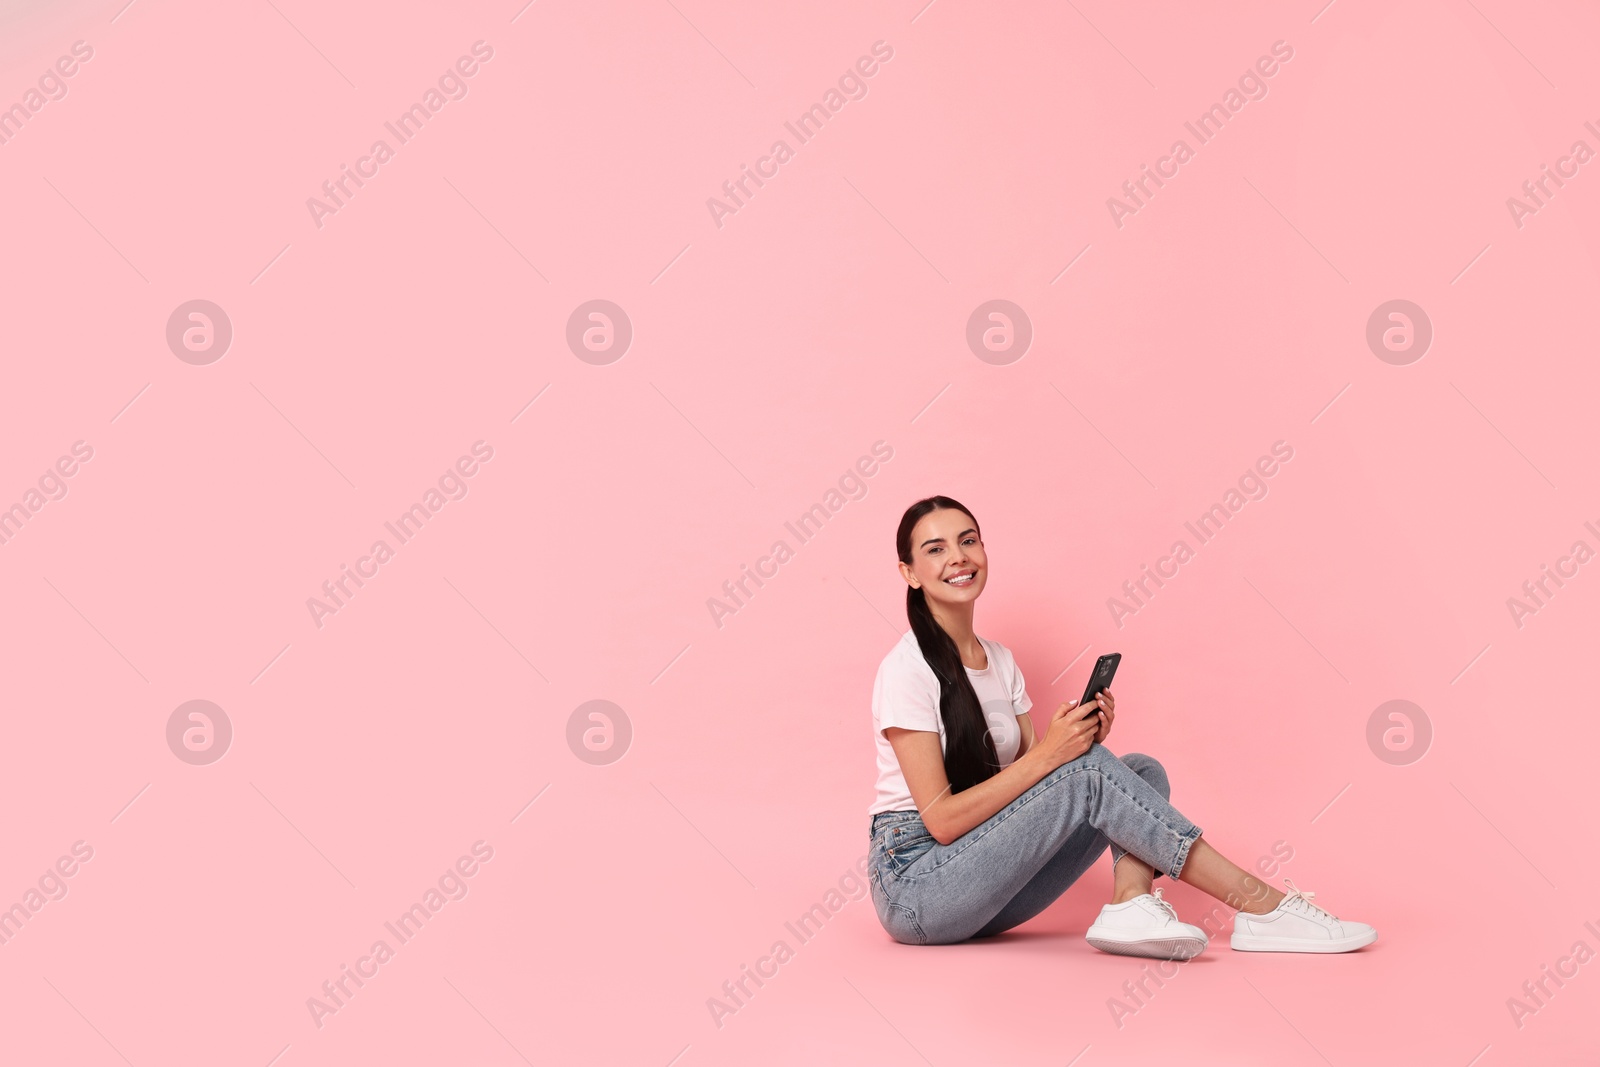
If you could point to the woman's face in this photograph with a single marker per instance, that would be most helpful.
(945, 545)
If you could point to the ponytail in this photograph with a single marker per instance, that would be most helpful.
(969, 752)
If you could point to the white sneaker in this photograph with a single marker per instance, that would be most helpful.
(1146, 926)
(1297, 925)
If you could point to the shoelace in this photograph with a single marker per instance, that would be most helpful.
(1165, 905)
(1297, 899)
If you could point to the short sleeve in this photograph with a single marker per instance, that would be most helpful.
(1019, 689)
(905, 697)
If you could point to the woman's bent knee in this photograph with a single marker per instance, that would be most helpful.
(1149, 768)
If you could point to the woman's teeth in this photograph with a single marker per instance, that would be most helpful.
(965, 579)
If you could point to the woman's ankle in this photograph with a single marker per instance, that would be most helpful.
(1130, 878)
(1260, 905)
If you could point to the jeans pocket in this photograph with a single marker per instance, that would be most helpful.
(906, 843)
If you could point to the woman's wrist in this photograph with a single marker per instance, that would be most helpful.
(1037, 764)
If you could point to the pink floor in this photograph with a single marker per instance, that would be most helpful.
(605, 371)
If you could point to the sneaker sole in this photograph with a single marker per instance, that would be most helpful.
(1163, 948)
(1300, 944)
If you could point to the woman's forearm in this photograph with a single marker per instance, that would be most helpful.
(953, 814)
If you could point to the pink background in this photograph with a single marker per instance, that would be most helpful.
(769, 354)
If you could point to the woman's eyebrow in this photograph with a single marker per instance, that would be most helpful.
(935, 540)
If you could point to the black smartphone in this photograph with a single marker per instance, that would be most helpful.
(1105, 668)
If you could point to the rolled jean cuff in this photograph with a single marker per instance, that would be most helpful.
(1180, 856)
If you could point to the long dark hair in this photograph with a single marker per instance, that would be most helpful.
(969, 754)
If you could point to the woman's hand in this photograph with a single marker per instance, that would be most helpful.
(1072, 730)
(1108, 715)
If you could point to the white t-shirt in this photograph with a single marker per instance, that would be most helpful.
(906, 693)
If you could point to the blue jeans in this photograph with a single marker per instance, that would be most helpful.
(1013, 865)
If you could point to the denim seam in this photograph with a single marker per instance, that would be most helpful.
(1026, 800)
(1184, 838)
(911, 917)
(888, 827)
(1181, 855)
(887, 843)
(896, 865)
(1006, 813)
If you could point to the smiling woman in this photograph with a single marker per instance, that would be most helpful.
(979, 824)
